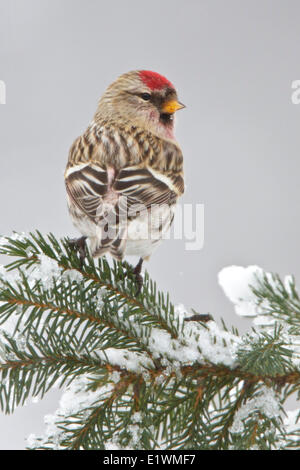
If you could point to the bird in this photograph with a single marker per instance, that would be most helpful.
(124, 174)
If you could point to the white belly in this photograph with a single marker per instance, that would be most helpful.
(147, 231)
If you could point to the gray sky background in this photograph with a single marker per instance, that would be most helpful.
(232, 62)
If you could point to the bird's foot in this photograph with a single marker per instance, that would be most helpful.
(79, 244)
(138, 277)
(135, 273)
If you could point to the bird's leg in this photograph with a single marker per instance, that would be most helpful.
(138, 278)
(79, 244)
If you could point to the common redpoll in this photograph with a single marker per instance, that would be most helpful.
(125, 173)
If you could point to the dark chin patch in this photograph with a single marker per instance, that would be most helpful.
(166, 118)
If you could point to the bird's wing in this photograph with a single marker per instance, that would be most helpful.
(86, 186)
(145, 187)
(158, 180)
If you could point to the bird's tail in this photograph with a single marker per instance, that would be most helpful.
(114, 246)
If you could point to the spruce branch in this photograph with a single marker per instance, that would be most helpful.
(137, 371)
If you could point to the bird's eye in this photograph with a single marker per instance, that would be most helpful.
(146, 96)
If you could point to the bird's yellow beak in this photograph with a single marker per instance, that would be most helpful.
(172, 106)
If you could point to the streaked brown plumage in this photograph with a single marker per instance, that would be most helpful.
(126, 163)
